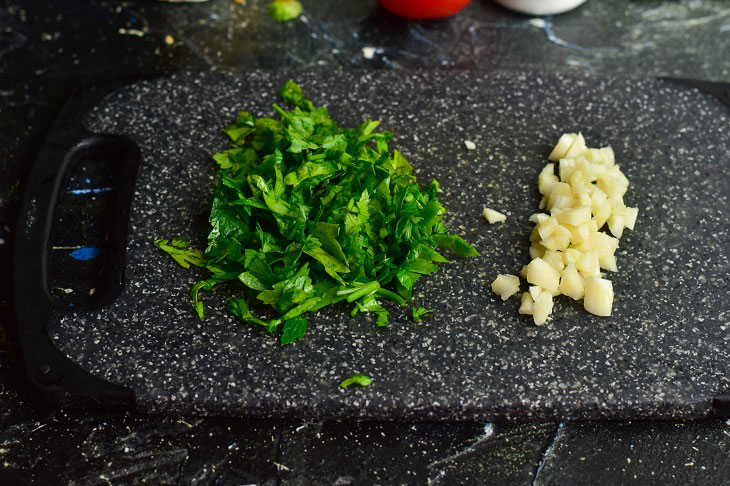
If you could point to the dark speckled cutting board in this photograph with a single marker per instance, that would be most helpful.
(663, 353)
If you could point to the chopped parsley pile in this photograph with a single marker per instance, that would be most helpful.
(306, 214)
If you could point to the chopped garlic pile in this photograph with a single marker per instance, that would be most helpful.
(568, 249)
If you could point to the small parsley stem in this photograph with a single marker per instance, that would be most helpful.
(283, 114)
(391, 295)
(366, 289)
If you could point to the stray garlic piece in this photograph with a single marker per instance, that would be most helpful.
(506, 286)
(493, 216)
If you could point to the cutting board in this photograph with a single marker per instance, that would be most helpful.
(665, 351)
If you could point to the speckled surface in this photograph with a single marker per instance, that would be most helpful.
(664, 352)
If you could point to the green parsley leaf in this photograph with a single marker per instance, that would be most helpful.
(419, 312)
(178, 250)
(306, 214)
(293, 329)
(293, 94)
(356, 379)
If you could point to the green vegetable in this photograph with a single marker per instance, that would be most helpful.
(284, 10)
(293, 329)
(419, 312)
(178, 249)
(356, 379)
(306, 214)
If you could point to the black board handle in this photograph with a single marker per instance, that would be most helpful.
(50, 375)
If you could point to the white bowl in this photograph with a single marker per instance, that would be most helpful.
(540, 7)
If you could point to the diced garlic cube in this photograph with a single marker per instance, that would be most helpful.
(603, 214)
(563, 233)
(550, 244)
(545, 184)
(549, 169)
(593, 155)
(523, 272)
(585, 200)
(469, 145)
(547, 179)
(580, 234)
(571, 255)
(542, 308)
(577, 147)
(617, 205)
(561, 148)
(582, 189)
(538, 218)
(608, 185)
(536, 251)
(493, 216)
(540, 272)
(584, 247)
(566, 167)
(598, 171)
(630, 217)
(598, 197)
(586, 169)
(616, 225)
(555, 259)
(575, 216)
(560, 202)
(562, 189)
(608, 263)
(620, 177)
(571, 283)
(598, 297)
(506, 286)
(547, 227)
(613, 182)
(526, 304)
(579, 181)
(535, 235)
(561, 196)
(607, 156)
(588, 264)
(559, 239)
(603, 244)
(535, 291)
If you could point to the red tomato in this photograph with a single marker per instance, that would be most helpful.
(424, 9)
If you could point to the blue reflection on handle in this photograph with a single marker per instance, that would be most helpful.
(86, 253)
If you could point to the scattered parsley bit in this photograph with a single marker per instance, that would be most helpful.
(419, 312)
(306, 214)
(284, 10)
(356, 379)
(178, 249)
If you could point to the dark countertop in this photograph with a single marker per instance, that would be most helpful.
(48, 49)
